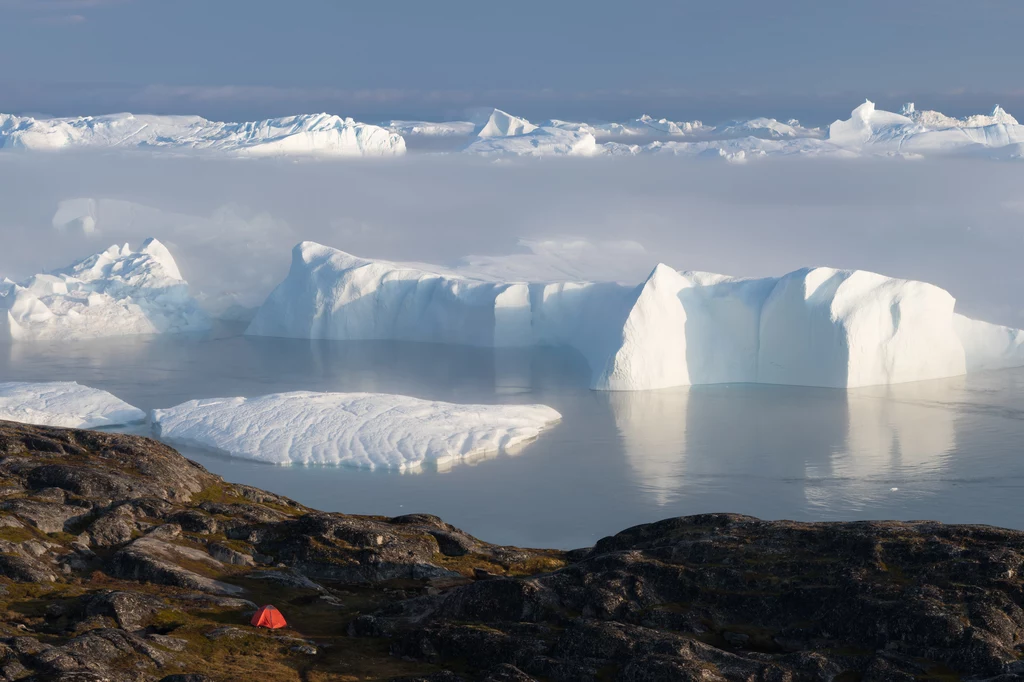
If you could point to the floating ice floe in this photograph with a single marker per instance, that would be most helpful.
(367, 430)
(811, 327)
(66, 404)
(113, 293)
(305, 135)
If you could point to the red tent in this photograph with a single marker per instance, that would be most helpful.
(268, 617)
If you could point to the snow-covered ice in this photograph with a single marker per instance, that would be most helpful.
(305, 135)
(871, 130)
(367, 430)
(116, 292)
(66, 404)
(868, 132)
(811, 327)
(504, 134)
(430, 128)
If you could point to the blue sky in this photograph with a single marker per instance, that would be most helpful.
(564, 58)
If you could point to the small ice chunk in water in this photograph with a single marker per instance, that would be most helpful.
(64, 403)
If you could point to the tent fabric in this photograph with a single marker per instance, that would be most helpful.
(268, 617)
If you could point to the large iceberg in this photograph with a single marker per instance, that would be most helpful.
(305, 135)
(924, 133)
(368, 430)
(504, 134)
(66, 404)
(116, 292)
(811, 327)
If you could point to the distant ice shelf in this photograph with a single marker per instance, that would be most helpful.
(113, 293)
(66, 404)
(811, 327)
(366, 430)
(868, 132)
(306, 135)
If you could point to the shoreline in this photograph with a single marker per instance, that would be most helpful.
(122, 560)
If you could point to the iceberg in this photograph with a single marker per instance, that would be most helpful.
(501, 124)
(869, 131)
(66, 404)
(113, 293)
(507, 135)
(812, 327)
(366, 430)
(924, 133)
(305, 135)
(430, 128)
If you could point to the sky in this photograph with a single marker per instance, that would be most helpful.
(594, 59)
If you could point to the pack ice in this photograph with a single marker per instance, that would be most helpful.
(367, 430)
(66, 404)
(811, 327)
(113, 293)
(305, 135)
(868, 132)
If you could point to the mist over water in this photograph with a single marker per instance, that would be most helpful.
(231, 223)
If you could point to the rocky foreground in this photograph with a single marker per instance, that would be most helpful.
(122, 560)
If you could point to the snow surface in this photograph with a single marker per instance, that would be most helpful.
(811, 327)
(305, 135)
(115, 292)
(367, 430)
(66, 404)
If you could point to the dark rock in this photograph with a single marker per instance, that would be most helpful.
(131, 610)
(707, 597)
(23, 570)
(191, 677)
(154, 559)
(112, 529)
(49, 517)
(96, 463)
(195, 521)
(95, 649)
(227, 555)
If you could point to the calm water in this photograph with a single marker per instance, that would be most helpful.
(948, 450)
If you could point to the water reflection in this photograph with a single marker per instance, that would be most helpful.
(849, 448)
(950, 447)
(652, 425)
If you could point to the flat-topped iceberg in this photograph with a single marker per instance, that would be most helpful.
(113, 293)
(66, 404)
(811, 327)
(305, 135)
(367, 430)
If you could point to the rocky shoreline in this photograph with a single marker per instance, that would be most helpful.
(121, 560)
